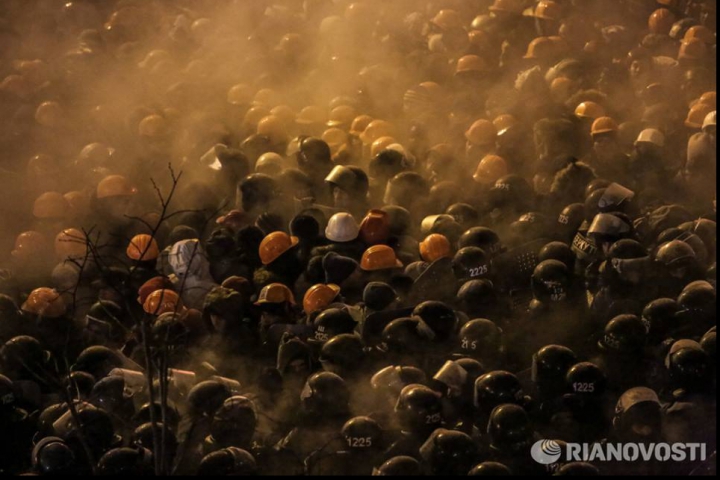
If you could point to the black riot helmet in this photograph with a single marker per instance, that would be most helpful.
(362, 433)
(509, 428)
(550, 365)
(325, 393)
(550, 281)
(257, 191)
(490, 469)
(480, 338)
(586, 379)
(481, 237)
(660, 318)
(471, 263)
(52, 456)
(496, 388)
(624, 334)
(333, 322)
(230, 461)
(98, 361)
(439, 317)
(689, 366)
(477, 298)
(401, 466)
(205, 398)
(403, 336)
(127, 462)
(234, 422)
(313, 153)
(342, 354)
(449, 452)
(558, 251)
(419, 409)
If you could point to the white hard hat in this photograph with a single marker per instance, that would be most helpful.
(651, 135)
(342, 227)
(710, 120)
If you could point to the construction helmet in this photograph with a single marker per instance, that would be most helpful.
(701, 32)
(375, 227)
(29, 244)
(79, 203)
(508, 6)
(541, 48)
(49, 114)
(708, 98)
(376, 129)
(266, 97)
(162, 301)
(50, 205)
(589, 110)
(604, 125)
(359, 125)
(696, 115)
(561, 88)
(312, 115)
(153, 126)
(693, 49)
(471, 63)
(319, 297)
(481, 133)
(447, 20)
(239, 94)
(70, 243)
(503, 122)
(46, 302)
(274, 245)
(710, 121)
(275, 293)
(342, 227)
(381, 144)
(342, 116)
(335, 138)
(490, 169)
(661, 21)
(548, 10)
(651, 135)
(435, 247)
(273, 128)
(115, 186)
(254, 115)
(284, 113)
(143, 248)
(379, 257)
(269, 163)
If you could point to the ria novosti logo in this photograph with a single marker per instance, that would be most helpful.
(548, 452)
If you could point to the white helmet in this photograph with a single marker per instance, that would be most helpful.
(710, 121)
(651, 135)
(270, 164)
(342, 227)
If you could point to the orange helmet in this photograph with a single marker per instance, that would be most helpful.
(708, 98)
(266, 97)
(319, 297)
(274, 245)
(447, 19)
(561, 88)
(481, 133)
(342, 116)
(696, 115)
(254, 115)
(701, 32)
(335, 138)
(284, 113)
(503, 122)
(46, 302)
(275, 293)
(380, 145)
(375, 227)
(490, 169)
(471, 63)
(359, 125)
(239, 94)
(379, 257)
(70, 243)
(661, 21)
(548, 10)
(509, 6)
(79, 203)
(115, 186)
(589, 110)
(435, 247)
(312, 115)
(272, 127)
(42, 164)
(541, 48)
(604, 125)
(163, 301)
(375, 130)
(30, 245)
(143, 248)
(693, 49)
(153, 126)
(50, 205)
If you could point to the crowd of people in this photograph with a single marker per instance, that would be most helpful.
(335, 237)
